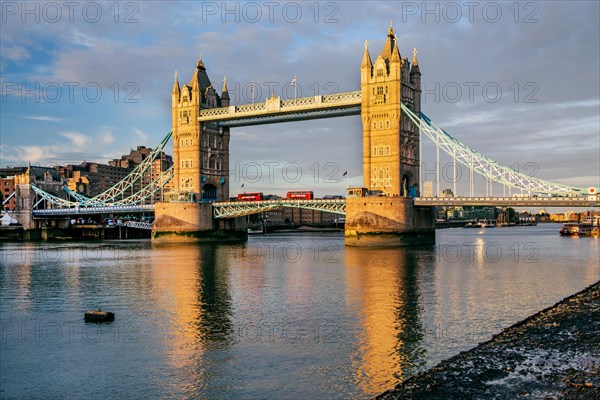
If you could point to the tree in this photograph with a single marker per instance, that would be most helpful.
(510, 214)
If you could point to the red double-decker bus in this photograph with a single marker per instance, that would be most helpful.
(300, 195)
(250, 196)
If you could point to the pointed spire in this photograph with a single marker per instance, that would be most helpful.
(388, 48)
(395, 52)
(176, 89)
(224, 94)
(200, 63)
(366, 62)
(414, 69)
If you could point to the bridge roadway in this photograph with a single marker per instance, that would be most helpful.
(589, 201)
(338, 206)
(50, 212)
(232, 209)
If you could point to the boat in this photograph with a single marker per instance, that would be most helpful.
(569, 229)
(589, 227)
(480, 224)
(98, 316)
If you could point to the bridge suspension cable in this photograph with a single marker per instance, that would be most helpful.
(491, 170)
(6, 200)
(122, 192)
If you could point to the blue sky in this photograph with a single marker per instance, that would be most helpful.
(519, 82)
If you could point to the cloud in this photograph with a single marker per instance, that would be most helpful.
(140, 134)
(79, 140)
(64, 148)
(105, 138)
(42, 118)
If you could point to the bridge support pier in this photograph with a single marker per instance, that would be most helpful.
(179, 222)
(388, 222)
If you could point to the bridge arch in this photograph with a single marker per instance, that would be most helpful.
(209, 192)
(405, 186)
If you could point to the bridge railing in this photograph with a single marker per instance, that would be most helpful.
(93, 210)
(274, 105)
(279, 201)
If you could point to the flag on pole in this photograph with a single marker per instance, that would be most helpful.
(294, 85)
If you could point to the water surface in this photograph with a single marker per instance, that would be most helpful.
(283, 316)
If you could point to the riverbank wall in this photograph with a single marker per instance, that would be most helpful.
(554, 354)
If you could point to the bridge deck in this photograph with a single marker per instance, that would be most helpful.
(232, 209)
(589, 201)
(92, 210)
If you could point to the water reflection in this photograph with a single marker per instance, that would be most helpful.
(384, 285)
(280, 316)
(192, 286)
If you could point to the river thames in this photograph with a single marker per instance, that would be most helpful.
(282, 316)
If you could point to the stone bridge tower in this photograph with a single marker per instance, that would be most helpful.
(201, 164)
(390, 140)
(200, 151)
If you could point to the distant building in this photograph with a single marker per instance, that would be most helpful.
(447, 193)
(91, 179)
(427, 189)
(7, 187)
(298, 216)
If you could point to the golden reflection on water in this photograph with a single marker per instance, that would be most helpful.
(22, 279)
(382, 286)
(175, 277)
(479, 250)
(191, 285)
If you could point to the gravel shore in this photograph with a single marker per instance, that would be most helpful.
(554, 354)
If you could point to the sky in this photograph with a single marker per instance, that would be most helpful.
(517, 81)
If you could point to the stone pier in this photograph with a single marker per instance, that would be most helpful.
(387, 222)
(179, 222)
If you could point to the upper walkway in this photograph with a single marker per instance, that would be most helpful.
(276, 110)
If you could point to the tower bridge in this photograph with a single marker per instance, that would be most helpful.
(389, 104)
